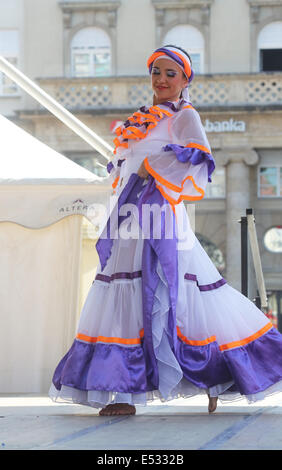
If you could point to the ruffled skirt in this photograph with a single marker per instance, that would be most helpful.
(226, 346)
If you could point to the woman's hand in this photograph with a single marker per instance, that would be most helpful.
(142, 172)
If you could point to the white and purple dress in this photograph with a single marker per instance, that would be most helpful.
(159, 320)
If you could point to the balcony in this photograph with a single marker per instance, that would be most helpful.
(207, 92)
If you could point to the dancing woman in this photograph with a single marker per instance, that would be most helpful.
(159, 320)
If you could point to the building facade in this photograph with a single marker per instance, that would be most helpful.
(91, 57)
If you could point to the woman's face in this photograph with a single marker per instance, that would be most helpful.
(167, 80)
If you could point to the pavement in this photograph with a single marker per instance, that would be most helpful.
(34, 422)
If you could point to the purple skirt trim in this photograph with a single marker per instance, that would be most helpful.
(204, 287)
(100, 366)
(110, 367)
(136, 274)
(204, 366)
(257, 365)
(122, 275)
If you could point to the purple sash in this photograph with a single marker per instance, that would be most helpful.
(154, 249)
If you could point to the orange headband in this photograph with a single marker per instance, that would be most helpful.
(186, 65)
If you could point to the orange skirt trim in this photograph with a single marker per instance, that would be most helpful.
(224, 347)
(107, 339)
(194, 342)
(249, 339)
(211, 339)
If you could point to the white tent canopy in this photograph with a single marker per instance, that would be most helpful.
(43, 196)
(39, 186)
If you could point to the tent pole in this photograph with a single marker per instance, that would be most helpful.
(256, 257)
(57, 109)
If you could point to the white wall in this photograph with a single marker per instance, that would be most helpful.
(11, 11)
(230, 36)
(43, 38)
(135, 36)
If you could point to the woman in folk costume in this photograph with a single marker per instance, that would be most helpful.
(159, 320)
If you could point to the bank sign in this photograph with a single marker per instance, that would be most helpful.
(225, 126)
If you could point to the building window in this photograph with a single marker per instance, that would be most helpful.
(216, 189)
(91, 53)
(270, 181)
(191, 40)
(271, 60)
(270, 47)
(9, 49)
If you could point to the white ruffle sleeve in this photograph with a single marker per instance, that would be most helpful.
(183, 168)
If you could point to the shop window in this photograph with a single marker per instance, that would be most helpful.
(91, 53)
(191, 40)
(9, 49)
(270, 47)
(270, 181)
